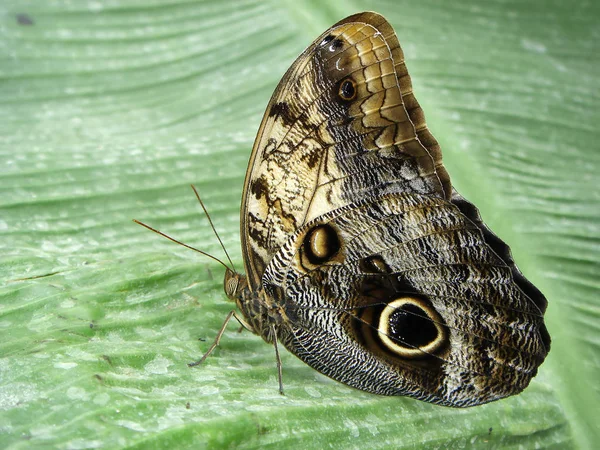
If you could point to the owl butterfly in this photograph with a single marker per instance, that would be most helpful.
(360, 257)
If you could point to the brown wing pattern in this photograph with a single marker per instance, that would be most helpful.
(342, 126)
(414, 110)
(360, 256)
(408, 298)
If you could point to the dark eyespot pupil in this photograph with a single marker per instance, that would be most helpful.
(347, 90)
(411, 327)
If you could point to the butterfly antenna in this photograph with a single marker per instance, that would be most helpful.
(213, 227)
(181, 243)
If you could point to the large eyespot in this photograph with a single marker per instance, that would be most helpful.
(321, 244)
(411, 328)
(347, 89)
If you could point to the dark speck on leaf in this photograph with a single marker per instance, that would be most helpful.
(24, 19)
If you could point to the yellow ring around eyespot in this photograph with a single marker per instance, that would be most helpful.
(384, 326)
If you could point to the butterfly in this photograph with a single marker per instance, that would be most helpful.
(360, 256)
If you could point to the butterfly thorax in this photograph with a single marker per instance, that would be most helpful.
(262, 312)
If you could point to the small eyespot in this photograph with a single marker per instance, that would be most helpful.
(347, 90)
(374, 264)
(321, 244)
(327, 39)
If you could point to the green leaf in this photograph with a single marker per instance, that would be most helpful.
(110, 109)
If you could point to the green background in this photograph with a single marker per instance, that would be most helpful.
(110, 109)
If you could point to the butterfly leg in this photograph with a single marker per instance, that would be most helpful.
(278, 359)
(232, 314)
(243, 325)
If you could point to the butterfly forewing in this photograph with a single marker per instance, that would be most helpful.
(336, 131)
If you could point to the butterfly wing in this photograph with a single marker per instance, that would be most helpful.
(404, 295)
(343, 125)
(385, 277)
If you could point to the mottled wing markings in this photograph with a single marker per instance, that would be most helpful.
(411, 104)
(493, 326)
(350, 227)
(314, 152)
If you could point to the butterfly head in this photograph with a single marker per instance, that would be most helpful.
(234, 284)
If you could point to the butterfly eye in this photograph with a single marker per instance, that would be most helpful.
(347, 89)
(231, 283)
(411, 328)
(321, 244)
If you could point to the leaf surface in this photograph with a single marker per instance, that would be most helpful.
(110, 109)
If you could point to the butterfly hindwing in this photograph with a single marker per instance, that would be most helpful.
(407, 298)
